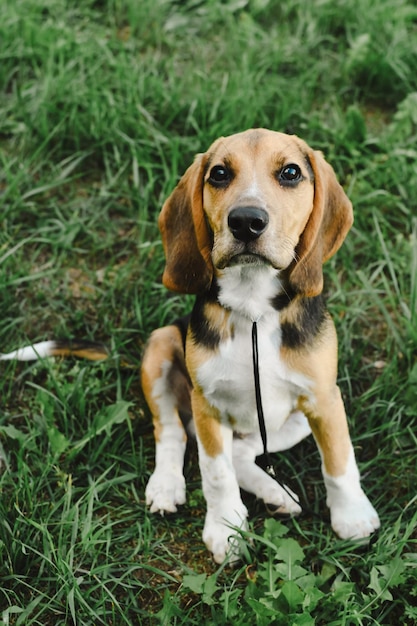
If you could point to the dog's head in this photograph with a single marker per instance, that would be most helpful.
(254, 197)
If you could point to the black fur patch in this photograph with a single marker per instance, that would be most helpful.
(283, 299)
(202, 331)
(309, 320)
(182, 324)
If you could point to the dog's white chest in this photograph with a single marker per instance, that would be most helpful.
(228, 377)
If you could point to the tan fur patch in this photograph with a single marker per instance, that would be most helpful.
(207, 422)
(163, 346)
(328, 422)
(326, 414)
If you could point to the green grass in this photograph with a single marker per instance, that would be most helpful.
(102, 106)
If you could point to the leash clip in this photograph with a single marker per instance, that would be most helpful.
(270, 470)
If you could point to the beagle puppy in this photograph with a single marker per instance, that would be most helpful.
(247, 230)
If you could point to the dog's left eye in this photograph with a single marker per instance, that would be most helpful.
(290, 174)
(219, 176)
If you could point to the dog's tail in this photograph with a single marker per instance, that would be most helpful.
(78, 348)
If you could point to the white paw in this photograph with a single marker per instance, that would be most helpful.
(354, 519)
(165, 491)
(280, 501)
(221, 538)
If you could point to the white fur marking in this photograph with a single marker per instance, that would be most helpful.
(252, 191)
(227, 377)
(352, 515)
(39, 350)
(225, 509)
(248, 290)
(166, 487)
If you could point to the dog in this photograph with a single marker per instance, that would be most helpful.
(247, 230)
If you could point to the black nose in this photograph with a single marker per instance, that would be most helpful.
(247, 223)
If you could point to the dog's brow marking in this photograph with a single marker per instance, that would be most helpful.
(253, 191)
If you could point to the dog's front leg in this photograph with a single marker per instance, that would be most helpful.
(164, 383)
(225, 509)
(352, 515)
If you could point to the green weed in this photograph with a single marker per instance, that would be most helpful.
(102, 106)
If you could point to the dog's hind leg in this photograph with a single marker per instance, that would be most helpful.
(166, 387)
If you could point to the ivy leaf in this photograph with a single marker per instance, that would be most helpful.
(115, 414)
(378, 584)
(342, 591)
(291, 553)
(274, 530)
(210, 589)
(57, 440)
(301, 619)
(195, 582)
(13, 433)
(293, 595)
(262, 608)
(393, 572)
(312, 596)
(290, 571)
(203, 585)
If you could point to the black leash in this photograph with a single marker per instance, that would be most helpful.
(269, 468)
(268, 465)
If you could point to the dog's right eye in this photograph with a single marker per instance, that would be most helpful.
(219, 176)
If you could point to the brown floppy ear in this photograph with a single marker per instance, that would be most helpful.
(185, 236)
(326, 229)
